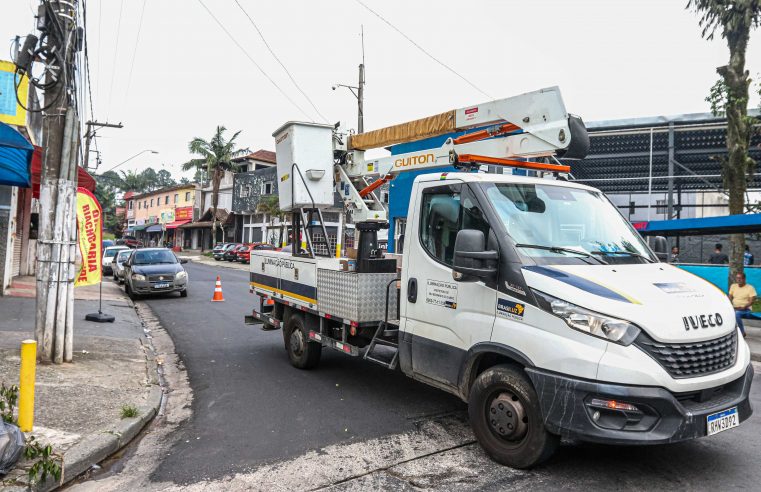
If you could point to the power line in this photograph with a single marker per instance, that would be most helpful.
(424, 50)
(272, 52)
(116, 50)
(232, 38)
(87, 59)
(134, 52)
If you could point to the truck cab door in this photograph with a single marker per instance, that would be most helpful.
(442, 317)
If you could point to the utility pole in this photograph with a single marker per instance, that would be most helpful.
(56, 245)
(92, 127)
(361, 87)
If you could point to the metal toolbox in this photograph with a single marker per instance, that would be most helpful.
(359, 297)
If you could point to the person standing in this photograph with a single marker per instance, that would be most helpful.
(674, 254)
(742, 296)
(718, 257)
(748, 256)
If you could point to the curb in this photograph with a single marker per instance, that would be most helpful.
(96, 447)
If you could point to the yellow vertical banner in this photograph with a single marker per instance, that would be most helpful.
(90, 227)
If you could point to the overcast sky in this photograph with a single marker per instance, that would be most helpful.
(611, 58)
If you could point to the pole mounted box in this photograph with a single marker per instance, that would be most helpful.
(304, 154)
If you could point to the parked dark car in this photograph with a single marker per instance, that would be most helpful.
(154, 271)
(244, 254)
(232, 253)
(219, 250)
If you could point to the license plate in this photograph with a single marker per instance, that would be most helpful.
(161, 285)
(719, 422)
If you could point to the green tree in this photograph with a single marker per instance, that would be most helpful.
(215, 156)
(164, 179)
(734, 19)
(133, 181)
(269, 205)
(150, 179)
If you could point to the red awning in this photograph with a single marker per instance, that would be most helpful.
(176, 223)
(83, 179)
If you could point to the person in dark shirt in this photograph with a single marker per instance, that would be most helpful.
(717, 257)
(748, 258)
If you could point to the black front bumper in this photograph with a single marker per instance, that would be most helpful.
(663, 416)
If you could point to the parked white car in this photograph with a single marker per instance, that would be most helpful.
(108, 256)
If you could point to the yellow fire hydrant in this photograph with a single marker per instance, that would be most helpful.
(26, 385)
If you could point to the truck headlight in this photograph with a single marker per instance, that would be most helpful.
(595, 324)
(181, 275)
(138, 277)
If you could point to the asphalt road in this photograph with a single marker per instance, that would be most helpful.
(251, 407)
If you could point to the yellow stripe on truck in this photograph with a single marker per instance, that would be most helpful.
(284, 292)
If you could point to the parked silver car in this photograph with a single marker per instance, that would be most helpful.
(154, 271)
(117, 264)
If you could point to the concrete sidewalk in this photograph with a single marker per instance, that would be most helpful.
(753, 338)
(205, 260)
(78, 405)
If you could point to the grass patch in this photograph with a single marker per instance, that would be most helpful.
(129, 411)
(208, 254)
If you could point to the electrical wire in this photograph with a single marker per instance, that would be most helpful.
(266, 75)
(427, 53)
(134, 51)
(116, 49)
(272, 52)
(87, 59)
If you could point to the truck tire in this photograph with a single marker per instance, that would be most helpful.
(303, 353)
(507, 420)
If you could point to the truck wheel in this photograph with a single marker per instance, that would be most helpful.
(507, 420)
(303, 353)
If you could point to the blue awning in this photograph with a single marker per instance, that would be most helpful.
(155, 228)
(15, 158)
(727, 224)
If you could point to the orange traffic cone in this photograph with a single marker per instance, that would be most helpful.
(218, 291)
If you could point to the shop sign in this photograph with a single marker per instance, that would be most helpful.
(183, 213)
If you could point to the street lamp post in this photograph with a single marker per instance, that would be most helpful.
(129, 159)
(358, 92)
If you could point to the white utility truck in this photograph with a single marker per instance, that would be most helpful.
(531, 298)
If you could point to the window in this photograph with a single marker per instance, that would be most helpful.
(145, 203)
(187, 196)
(267, 188)
(129, 204)
(151, 202)
(166, 200)
(176, 197)
(661, 206)
(446, 210)
(245, 191)
(138, 205)
(632, 208)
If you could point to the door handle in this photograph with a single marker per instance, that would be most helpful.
(412, 290)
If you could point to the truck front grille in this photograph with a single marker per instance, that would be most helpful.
(686, 360)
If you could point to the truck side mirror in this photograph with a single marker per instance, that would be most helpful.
(470, 256)
(660, 246)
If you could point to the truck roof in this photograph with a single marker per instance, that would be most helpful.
(499, 178)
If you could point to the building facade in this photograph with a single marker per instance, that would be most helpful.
(156, 215)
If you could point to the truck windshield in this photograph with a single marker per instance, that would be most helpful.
(554, 224)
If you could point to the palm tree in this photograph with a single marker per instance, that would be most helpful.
(216, 156)
(734, 20)
(270, 206)
(133, 181)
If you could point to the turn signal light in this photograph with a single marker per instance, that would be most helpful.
(613, 405)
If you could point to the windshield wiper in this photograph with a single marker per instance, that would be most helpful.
(627, 253)
(560, 249)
